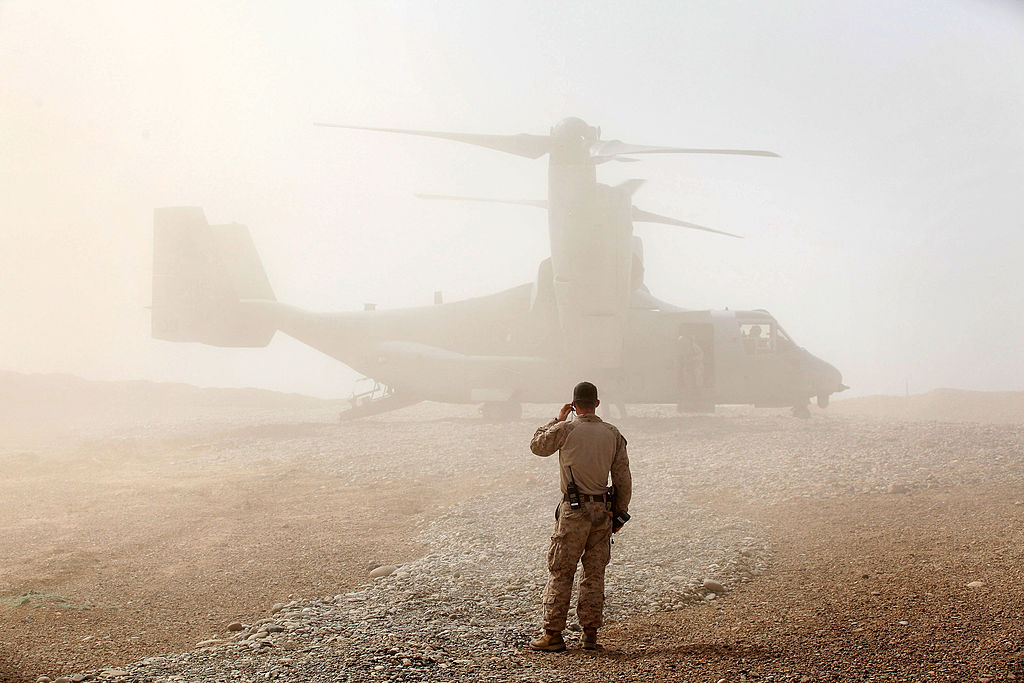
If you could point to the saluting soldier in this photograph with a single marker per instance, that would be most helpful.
(589, 449)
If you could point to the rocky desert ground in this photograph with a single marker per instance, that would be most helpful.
(169, 533)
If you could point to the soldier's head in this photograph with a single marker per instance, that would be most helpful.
(584, 398)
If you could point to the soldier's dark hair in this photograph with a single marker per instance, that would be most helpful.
(584, 395)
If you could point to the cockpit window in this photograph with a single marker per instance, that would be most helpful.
(782, 340)
(764, 337)
(757, 337)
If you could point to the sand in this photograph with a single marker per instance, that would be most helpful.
(142, 518)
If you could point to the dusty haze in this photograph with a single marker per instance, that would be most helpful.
(141, 520)
(887, 239)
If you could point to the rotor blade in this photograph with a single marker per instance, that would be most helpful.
(631, 186)
(523, 144)
(539, 203)
(642, 216)
(612, 148)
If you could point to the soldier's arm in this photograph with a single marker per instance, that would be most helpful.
(621, 477)
(548, 438)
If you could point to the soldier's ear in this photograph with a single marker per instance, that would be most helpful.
(597, 403)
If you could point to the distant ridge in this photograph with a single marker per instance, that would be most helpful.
(19, 391)
(942, 405)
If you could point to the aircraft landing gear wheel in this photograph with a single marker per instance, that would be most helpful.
(801, 410)
(501, 411)
(823, 400)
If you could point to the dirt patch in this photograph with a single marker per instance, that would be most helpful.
(875, 587)
(133, 536)
(112, 553)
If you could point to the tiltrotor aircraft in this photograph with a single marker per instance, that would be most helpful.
(587, 315)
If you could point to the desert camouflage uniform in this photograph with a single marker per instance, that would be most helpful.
(593, 448)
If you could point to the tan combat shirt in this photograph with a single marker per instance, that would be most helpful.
(592, 448)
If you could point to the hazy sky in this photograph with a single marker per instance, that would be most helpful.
(889, 239)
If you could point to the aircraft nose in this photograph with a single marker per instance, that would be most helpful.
(825, 380)
(836, 379)
(825, 377)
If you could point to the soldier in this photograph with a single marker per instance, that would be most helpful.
(691, 364)
(589, 449)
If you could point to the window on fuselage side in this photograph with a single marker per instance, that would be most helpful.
(782, 340)
(757, 337)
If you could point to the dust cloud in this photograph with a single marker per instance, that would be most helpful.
(159, 494)
(884, 240)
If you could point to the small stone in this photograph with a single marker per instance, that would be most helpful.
(113, 673)
(713, 586)
(904, 623)
(386, 570)
(235, 626)
(976, 584)
(209, 642)
(274, 628)
(278, 606)
(43, 679)
(63, 679)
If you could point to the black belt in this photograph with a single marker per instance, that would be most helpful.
(586, 498)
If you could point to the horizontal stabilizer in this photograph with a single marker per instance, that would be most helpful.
(201, 274)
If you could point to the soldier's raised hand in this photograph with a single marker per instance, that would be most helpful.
(563, 414)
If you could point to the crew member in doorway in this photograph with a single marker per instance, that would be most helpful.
(691, 365)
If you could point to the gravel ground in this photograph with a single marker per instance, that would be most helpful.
(761, 547)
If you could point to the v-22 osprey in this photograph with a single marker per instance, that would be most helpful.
(586, 315)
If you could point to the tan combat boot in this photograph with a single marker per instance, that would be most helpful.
(590, 639)
(551, 641)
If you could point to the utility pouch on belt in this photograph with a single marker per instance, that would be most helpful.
(572, 492)
(620, 519)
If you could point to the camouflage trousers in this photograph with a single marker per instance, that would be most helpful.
(579, 534)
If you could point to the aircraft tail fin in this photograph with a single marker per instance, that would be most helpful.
(202, 273)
